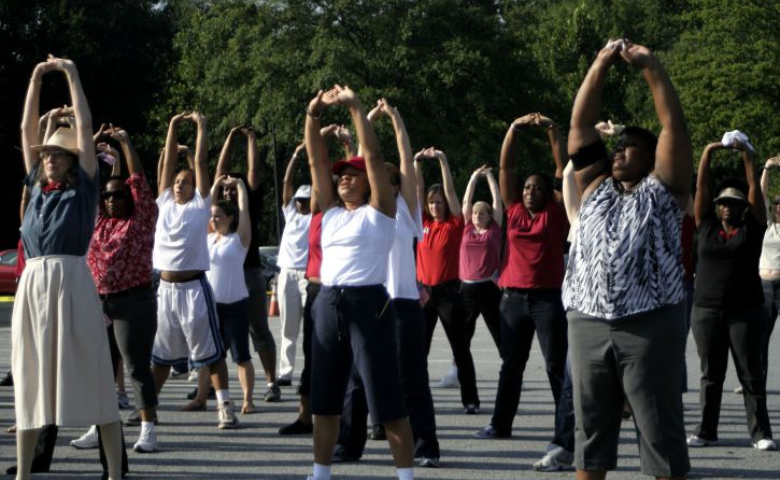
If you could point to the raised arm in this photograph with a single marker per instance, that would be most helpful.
(755, 198)
(703, 197)
(244, 223)
(345, 137)
(252, 159)
(288, 190)
(406, 160)
(317, 151)
(558, 150)
(590, 167)
(107, 152)
(226, 155)
(673, 154)
(382, 197)
(773, 162)
(87, 157)
(170, 155)
(507, 176)
(571, 194)
(449, 186)
(468, 196)
(133, 160)
(498, 205)
(420, 177)
(31, 115)
(202, 180)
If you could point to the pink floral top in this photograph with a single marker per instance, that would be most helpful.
(120, 255)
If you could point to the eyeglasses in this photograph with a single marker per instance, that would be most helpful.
(52, 154)
(116, 194)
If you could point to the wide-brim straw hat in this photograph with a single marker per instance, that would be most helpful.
(64, 139)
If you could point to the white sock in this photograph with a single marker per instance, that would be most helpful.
(147, 425)
(321, 472)
(223, 396)
(269, 385)
(405, 473)
(453, 371)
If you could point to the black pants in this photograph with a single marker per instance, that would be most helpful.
(134, 327)
(564, 414)
(482, 298)
(741, 330)
(446, 303)
(413, 365)
(312, 290)
(523, 313)
(772, 307)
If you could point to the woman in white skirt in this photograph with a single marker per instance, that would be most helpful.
(60, 354)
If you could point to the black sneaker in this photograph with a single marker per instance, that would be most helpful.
(378, 432)
(7, 381)
(274, 394)
(341, 456)
(284, 382)
(297, 428)
(472, 409)
(194, 393)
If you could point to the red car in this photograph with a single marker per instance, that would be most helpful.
(8, 272)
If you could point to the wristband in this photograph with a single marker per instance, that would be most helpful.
(315, 117)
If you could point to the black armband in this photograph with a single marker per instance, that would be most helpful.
(588, 155)
(557, 184)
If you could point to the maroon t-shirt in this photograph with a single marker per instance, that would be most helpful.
(314, 263)
(480, 253)
(534, 247)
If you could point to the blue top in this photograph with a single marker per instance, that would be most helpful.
(59, 222)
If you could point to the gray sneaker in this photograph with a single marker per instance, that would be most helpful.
(227, 418)
(549, 463)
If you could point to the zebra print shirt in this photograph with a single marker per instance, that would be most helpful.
(626, 255)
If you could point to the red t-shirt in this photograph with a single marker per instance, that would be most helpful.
(480, 253)
(439, 249)
(20, 261)
(534, 247)
(314, 262)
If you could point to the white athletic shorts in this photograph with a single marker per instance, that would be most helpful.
(187, 324)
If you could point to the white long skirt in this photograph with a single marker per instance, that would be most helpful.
(60, 356)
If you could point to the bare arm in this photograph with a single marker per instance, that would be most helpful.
(498, 205)
(507, 180)
(382, 197)
(252, 160)
(226, 155)
(170, 154)
(408, 176)
(202, 180)
(558, 150)
(133, 160)
(449, 186)
(87, 158)
(342, 133)
(571, 194)
(317, 152)
(288, 190)
(755, 198)
(244, 223)
(468, 196)
(418, 175)
(673, 165)
(702, 200)
(31, 115)
(584, 117)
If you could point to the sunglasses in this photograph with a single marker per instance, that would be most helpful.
(52, 154)
(116, 195)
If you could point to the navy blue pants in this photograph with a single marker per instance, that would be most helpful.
(413, 364)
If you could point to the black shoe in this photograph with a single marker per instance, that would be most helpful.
(297, 428)
(472, 409)
(283, 382)
(8, 380)
(35, 469)
(274, 394)
(378, 432)
(194, 393)
(340, 456)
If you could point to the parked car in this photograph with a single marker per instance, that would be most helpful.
(8, 272)
(268, 257)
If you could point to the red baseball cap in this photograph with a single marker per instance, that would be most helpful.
(358, 163)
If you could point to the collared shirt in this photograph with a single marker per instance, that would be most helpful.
(120, 255)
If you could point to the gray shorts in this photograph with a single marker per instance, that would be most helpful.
(638, 358)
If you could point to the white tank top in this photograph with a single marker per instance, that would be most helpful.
(226, 275)
(356, 246)
(401, 271)
(180, 235)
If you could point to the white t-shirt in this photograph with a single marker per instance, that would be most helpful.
(294, 247)
(770, 251)
(180, 235)
(356, 246)
(401, 269)
(226, 275)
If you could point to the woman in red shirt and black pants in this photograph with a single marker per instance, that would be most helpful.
(531, 276)
(437, 269)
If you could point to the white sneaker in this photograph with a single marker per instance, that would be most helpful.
(86, 441)
(147, 441)
(227, 418)
(549, 463)
(193, 376)
(738, 390)
(765, 445)
(694, 441)
(448, 381)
